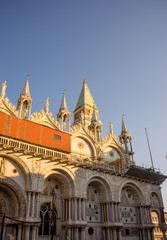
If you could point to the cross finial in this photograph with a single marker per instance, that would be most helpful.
(28, 76)
(84, 79)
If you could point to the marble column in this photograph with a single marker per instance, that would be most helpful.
(75, 211)
(66, 206)
(83, 209)
(119, 234)
(75, 233)
(79, 208)
(141, 215)
(107, 212)
(63, 210)
(143, 234)
(112, 210)
(116, 212)
(104, 233)
(108, 234)
(33, 233)
(114, 234)
(140, 234)
(104, 212)
(28, 203)
(69, 233)
(37, 205)
(37, 230)
(32, 204)
(69, 206)
(19, 232)
(82, 233)
(119, 213)
(27, 232)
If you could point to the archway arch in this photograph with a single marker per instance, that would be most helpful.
(16, 193)
(12, 204)
(19, 167)
(58, 188)
(98, 199)
(82, 144)
(131, 197)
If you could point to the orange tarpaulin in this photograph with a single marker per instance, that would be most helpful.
(34, 133)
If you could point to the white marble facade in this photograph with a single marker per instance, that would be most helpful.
(82, 195)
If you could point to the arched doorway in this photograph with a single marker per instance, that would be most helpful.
(95, 209)
(55, 205)
(129, 215)
(9, 210)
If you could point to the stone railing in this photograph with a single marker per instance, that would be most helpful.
(31, 149)
(59, 157)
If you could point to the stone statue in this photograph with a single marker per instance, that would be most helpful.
(47, 105)
(111, 128)
(3, 90)
(99, 152)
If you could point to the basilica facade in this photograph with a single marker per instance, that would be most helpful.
(62, 180)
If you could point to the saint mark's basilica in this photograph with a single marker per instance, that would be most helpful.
(62, 180)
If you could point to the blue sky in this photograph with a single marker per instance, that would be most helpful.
(119, 45)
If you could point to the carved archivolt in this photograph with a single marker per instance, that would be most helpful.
(18, 192)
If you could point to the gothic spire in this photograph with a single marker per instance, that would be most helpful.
(24, 102)
(94, 117)
(124, 129)
(63, 105)
(26, 89)
(126, 140)
(63, 114)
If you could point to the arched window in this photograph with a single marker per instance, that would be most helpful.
(48, 220)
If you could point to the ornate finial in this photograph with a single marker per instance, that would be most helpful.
(2, 95)
(28, 76)
(123, 116)
(84, 79)
(111, 128)
(64, 91)
(47, 105)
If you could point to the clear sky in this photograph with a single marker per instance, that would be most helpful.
(119, 45)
